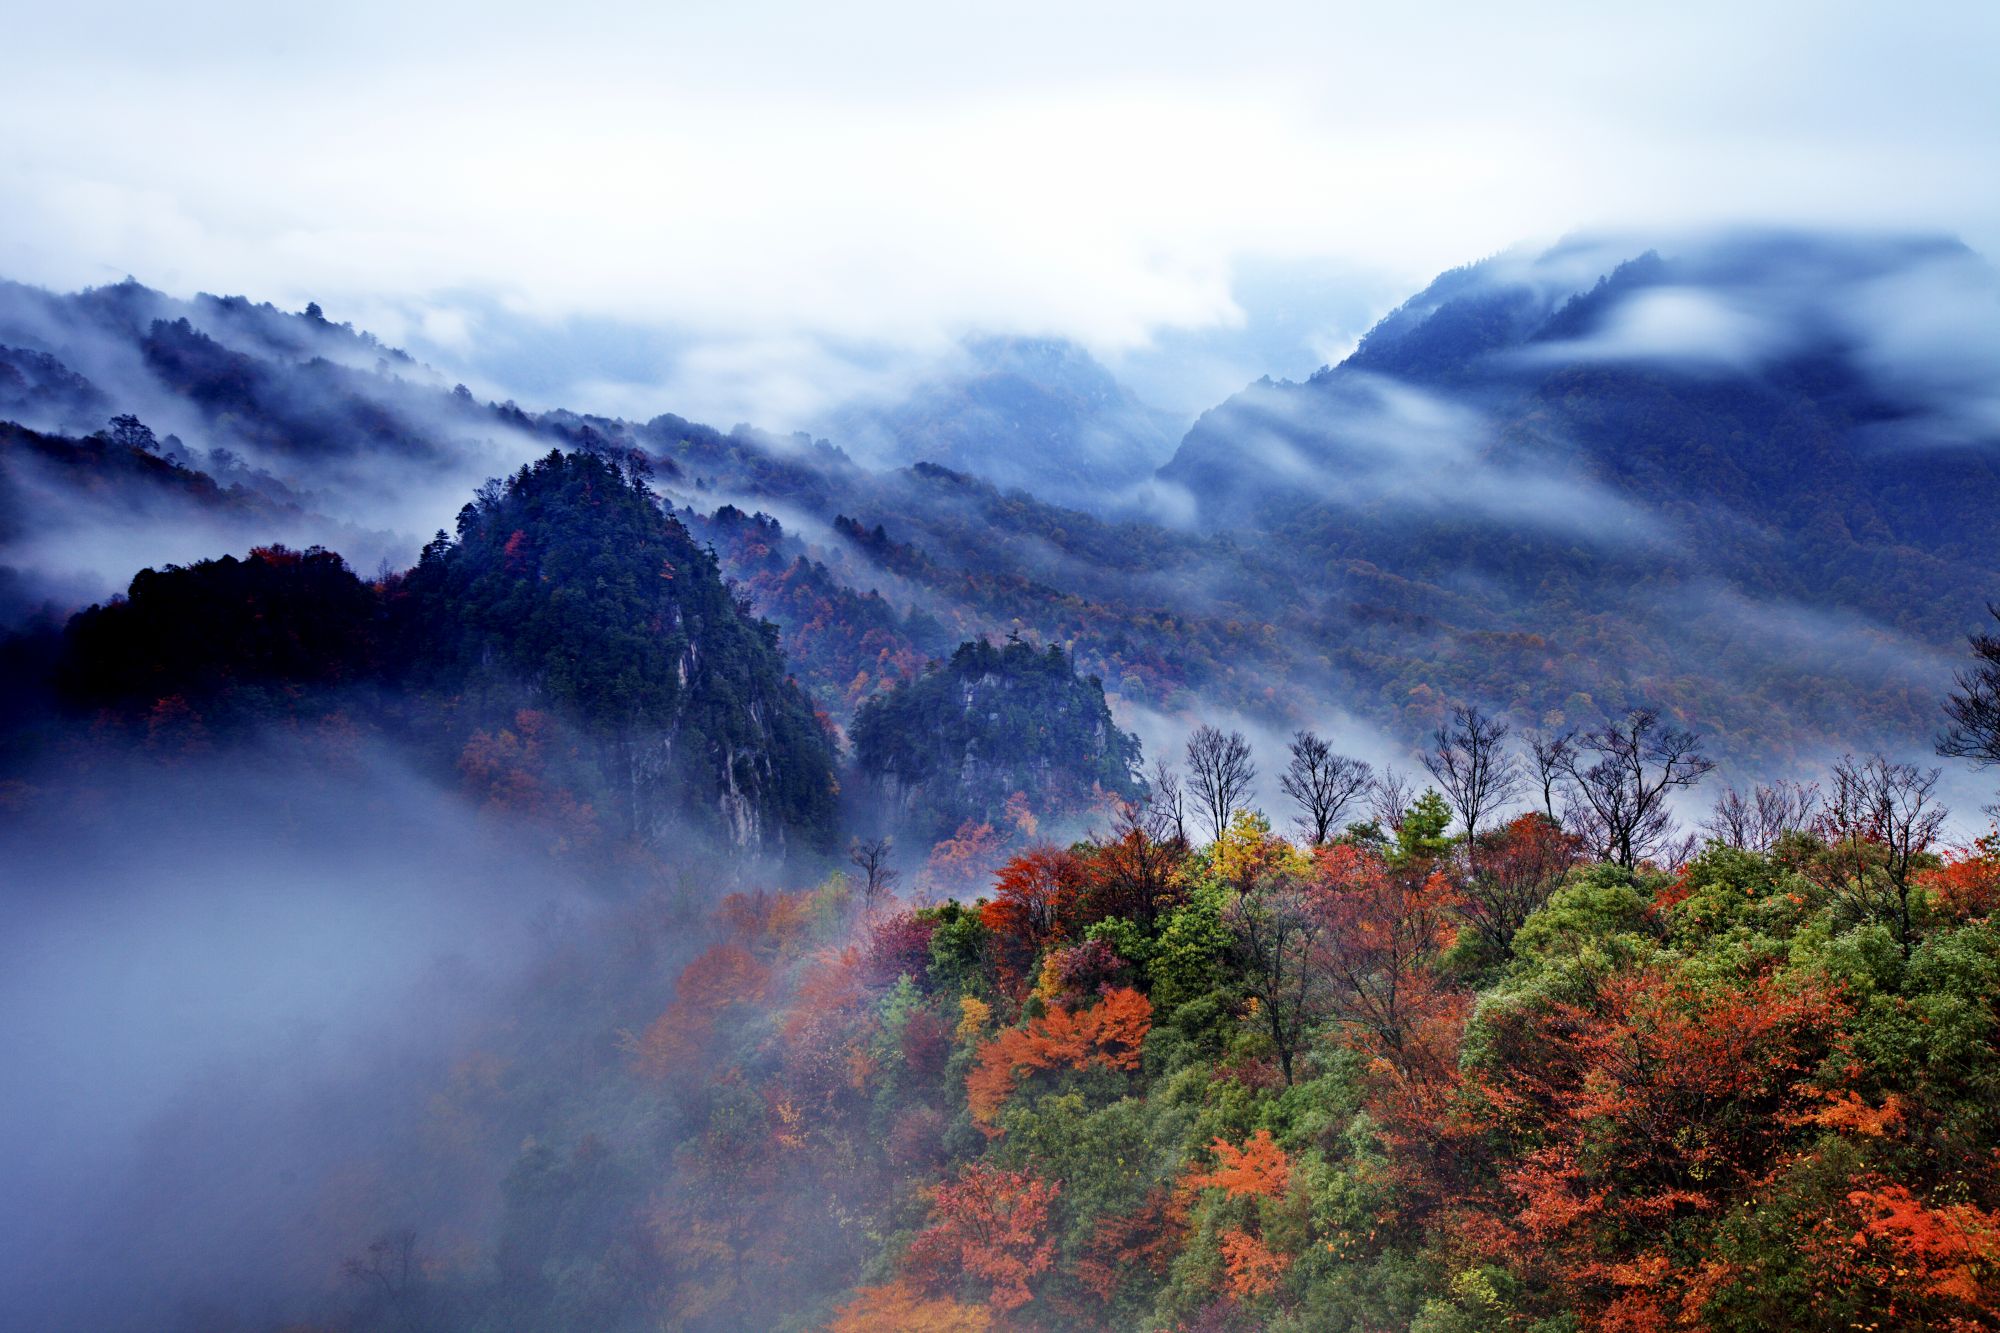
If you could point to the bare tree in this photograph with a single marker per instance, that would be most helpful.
(871, 855)
(1881, 819)
(1277, 934)
(1166, 804)
(1322, 783)
(1470, 761)
(1755, 822)
(1389, 798)
(1219, 774)
(1619, 780)
(1974, 707)
(1551, 755)
(392, 1271)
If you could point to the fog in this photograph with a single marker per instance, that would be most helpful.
(1377, 443)
(232, 985)
(316, 435)
(1918, 314)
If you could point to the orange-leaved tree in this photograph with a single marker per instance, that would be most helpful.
(1253, 1267)
(1385, 926)
(989, 1225)
(1259, 1168)
(907, 1308)
(725, 974)
(1967, 884)
(1035, 900)
(1107, 1035)
(1650, 1105)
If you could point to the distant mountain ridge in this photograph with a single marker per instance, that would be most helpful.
(1751, 416)
(1746, 478)
(1038, 414)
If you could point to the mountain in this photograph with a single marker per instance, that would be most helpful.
(361, 447)
(1037, 414)
(568, 588)
(1743, 478)
(1759, 456)
(572, 650)
(461, 945)
(989, 725)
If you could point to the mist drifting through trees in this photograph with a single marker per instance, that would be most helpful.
(1164, 776)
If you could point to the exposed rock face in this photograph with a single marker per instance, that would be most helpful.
(569, 585)
(992, 722)
(573, 637)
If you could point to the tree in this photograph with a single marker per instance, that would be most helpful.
(1633, 1110)
(1420, 837)
(1470, 761)
(903, 1306)
(1943, 1260)
(1136, 872)
(1035, 898)
(1252, 1268)
(1219, 774)
(1165, 806)
(1974, 706)
(1881, 820)
(393, 1273)
(1966, 884)
(1520, 865)
(1755, 822)
(1389, 799)
(1322, 783)
(129, 432)
(1277, 929)
(1108, 1035)
(1619, 780)
(1551, 754)
(1384, 927)
(990, 1225)
(871, 856)
(960, 861)
(725, 974)
(1259, 1168)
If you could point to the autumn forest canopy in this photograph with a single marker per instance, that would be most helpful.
(1495, 836)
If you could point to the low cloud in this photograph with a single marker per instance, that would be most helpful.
(1686, 327)
(1368, 441)
(908, 173)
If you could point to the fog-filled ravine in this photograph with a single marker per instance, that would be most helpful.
(1494, 833)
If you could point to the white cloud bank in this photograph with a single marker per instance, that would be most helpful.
(899, 173)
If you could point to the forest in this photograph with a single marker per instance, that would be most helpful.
(897, 667)
(1503, 1044)
(716, 882)
(1550, 1032)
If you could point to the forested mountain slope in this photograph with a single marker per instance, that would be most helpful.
(1749, 470)
(1037, 414)
(571, 654)
(1552, 1066)
(990, 725)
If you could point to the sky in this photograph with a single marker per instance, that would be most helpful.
(739, 210)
